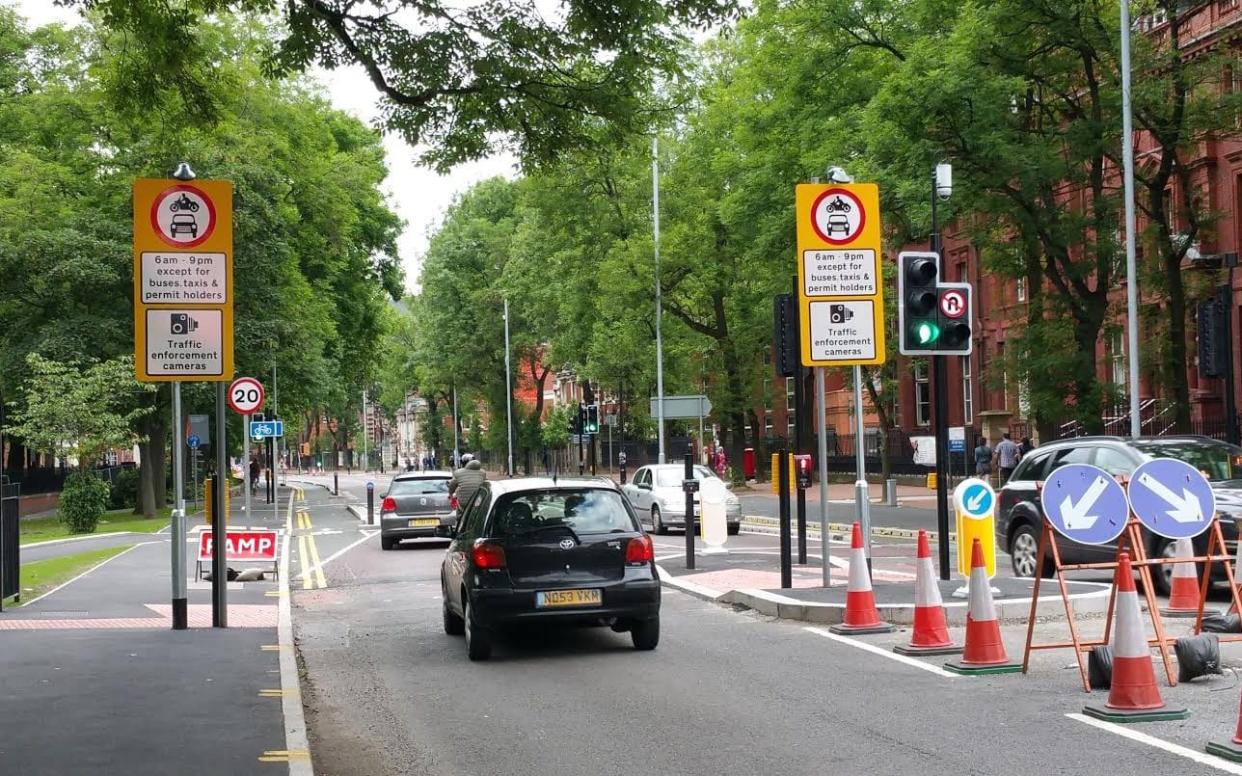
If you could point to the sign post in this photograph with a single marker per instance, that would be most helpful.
(183, 327)
(841, 298)
(246, 397)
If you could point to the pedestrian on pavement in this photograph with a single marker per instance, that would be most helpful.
(1006, 455)
(466, 481)
(983, 458)
(254, 475)
(1024, 447)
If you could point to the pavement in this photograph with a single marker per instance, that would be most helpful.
(726, 692)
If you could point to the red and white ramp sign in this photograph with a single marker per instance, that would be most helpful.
(253, 546)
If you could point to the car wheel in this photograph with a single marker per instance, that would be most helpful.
(1162, 580)
(1024, 552)
(453, 625)
(646, 634)
(734, 528)
(478, 640)
(388, 542)
(657, 524)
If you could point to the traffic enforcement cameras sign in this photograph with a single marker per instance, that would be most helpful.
(933, 318)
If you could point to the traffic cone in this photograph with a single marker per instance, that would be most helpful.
(1231, 749)
(861, 616)
(930, 635)
(1133, 695)
(1184, 587)
(984, 652)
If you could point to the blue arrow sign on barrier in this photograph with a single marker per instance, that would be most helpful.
(1172, 498)
(977, 500)
(262, 429)
(1085, 504)
(192, 441)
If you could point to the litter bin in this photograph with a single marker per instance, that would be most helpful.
(748, 463)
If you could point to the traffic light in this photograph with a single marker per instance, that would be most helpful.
(785, 334)
(933, 318)
(592, 419)
(1212, 338)
(579, 419)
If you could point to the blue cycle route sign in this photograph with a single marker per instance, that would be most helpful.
(262, 429)
(1084, 504)
(1172, 498)
(192, 441)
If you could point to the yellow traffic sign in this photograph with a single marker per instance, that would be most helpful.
(183, 280)
(840, 276)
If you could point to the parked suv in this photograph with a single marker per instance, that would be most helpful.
(537, 550)
(1019, 513)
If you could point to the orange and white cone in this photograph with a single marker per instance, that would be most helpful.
(984, 651)
(1184, 587)
(861, 615)
(930, 635)
(1133, 695)
(1231, 749)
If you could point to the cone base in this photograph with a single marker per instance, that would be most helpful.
(1162, 714)
(974, 669)
(1187, 614)
(1226, 749)
(909, 649)
(845, 630)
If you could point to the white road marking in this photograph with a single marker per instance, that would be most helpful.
(96, 567)
(69, 539)
(882, 652)
(1181, 751)
(337, 554)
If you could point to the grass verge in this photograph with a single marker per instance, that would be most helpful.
(42, 529)
(37, 577)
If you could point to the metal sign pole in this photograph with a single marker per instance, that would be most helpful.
(825, 542)
(179, 598)
(863, 501)
(689, 479)
(219, 573)
(246, 461)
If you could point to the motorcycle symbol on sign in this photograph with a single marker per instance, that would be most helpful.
(838, 205)
(183, 203)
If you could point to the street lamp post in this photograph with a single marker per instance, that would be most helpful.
(942, 189)
(1127, 160)
(655, 223)
(508, 394)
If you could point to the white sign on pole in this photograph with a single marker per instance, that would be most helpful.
(924, 450)
(184, 278)
(843, 331)
(682, 407)
(185, 343)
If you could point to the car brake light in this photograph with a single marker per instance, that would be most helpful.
(389, 505)
(453, 501)
(487, 555)
(639, 550)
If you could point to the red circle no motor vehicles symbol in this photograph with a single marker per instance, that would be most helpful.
(183, 216)
(837, 216)
(953, 303)
(245, 395)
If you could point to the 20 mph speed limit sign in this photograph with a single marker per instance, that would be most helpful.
(246, 395)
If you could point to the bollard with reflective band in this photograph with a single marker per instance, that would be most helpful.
(370, 503)
(713, 520)
(792, 480)
(974, 501)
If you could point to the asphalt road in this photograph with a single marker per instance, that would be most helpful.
(387, 691)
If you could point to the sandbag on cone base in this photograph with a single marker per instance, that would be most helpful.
(930, 634)
(984, 651)
(861, 616)
(1132, 695)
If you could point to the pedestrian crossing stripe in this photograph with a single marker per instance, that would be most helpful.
(270, 647)
(277, 693)
(275, 593)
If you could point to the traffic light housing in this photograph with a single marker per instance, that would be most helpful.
(579, 421)
(933, 318)
(785, 334)
(592, 419)
(1212, 336)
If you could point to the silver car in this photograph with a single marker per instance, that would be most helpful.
(656, 495)
(416, 506)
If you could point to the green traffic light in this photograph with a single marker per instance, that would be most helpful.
(926, 332)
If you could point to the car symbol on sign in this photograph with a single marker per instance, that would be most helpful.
(838, 223)
(183, 222)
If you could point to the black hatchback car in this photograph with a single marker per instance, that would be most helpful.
(558, 552)
(1019, 514)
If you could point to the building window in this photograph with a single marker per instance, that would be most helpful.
(767, 423)
(961, 272)
(1004, 375)
(791, 407)
(968, 393)
(922, 394)
(1117, 357)
(1021, 288)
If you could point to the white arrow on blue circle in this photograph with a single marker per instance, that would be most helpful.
(1075, 516)
(1186, 507)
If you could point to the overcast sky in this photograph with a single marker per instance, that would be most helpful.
(417, 194)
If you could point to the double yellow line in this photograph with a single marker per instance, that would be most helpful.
(308, 552)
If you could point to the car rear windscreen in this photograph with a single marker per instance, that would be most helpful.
(418, 487)
(581, 510)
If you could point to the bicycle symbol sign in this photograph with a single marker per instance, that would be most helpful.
(838, 216)
(183, 216)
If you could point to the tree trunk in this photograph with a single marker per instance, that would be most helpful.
(159, 460)
(146, 470)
